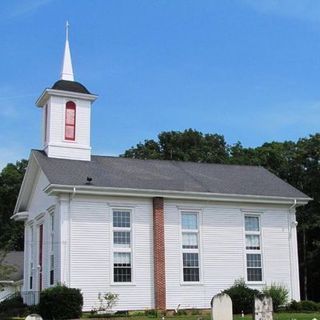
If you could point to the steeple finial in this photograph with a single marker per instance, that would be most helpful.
(67, 70)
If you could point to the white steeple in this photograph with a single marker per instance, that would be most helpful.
(67, 70)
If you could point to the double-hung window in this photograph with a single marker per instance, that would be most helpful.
(51, 280)
(253, 248)
(122, 245)
(31, 257)
(190, 246)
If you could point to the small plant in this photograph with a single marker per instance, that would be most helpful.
(151, 313)
(107, 301)
(242, 297)
(181, 312)
(278, 293)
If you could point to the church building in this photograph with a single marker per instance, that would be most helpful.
(157, 233)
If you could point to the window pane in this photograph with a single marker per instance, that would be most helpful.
(121, 239)
(122, 275)
(190, 259)
(121, 219)
(52, 261)
(122, 258)
(254, 274)
(251, 223)
(253, 260)
(252, 242)
(190, 274)
(70, 115)
(189, 221)
(189, 240)
(69, 134)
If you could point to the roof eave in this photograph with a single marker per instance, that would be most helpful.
(61, 93)
(54, 189)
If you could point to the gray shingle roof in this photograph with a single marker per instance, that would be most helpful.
(73, 86)
(117, 172)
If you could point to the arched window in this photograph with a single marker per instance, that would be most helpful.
(70, 125)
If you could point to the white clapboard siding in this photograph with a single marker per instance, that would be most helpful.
(276, 247)
(221, 255)
(222, 251)
(90, 253)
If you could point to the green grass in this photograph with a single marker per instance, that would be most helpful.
(276, 316)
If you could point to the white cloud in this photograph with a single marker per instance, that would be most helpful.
(297, 9)
(16, 9)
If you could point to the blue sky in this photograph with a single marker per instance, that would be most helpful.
(247, 69)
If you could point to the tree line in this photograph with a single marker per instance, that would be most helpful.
(297, 162)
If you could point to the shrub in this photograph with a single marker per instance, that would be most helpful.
(13, 307)
(60, 302)
(306, 306)
(278, 293)
(242, 297)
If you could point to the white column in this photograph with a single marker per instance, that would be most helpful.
(64, 236)
(294, 262)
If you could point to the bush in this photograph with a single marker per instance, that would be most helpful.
(13, 307)
(242, 297)
(306, 306)
(278, 293)
(60, 302)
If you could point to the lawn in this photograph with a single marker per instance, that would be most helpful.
(276, 316)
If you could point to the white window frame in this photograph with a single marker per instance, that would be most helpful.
(115, 249)
(253, 251)
(191, 250)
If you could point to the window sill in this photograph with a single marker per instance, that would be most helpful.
(253, 283)
(122, 284)
(191, 284)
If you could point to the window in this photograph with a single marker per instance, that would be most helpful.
(70, 124)
(31, 250)
(51, 262)
(253, 248)
(122, 251)
(190, 246)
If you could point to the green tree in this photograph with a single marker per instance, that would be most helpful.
(189, 145)
(11, 232)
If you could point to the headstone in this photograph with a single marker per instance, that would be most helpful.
(221, 307)
(33, 317)
(263, 308)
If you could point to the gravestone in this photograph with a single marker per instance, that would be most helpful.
(263, 308)
(221, 307)
(33, 317)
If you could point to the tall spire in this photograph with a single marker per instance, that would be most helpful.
(67, 70)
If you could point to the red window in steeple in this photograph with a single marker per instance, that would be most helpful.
(70, 125)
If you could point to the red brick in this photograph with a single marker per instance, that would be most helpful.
(159, 254)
